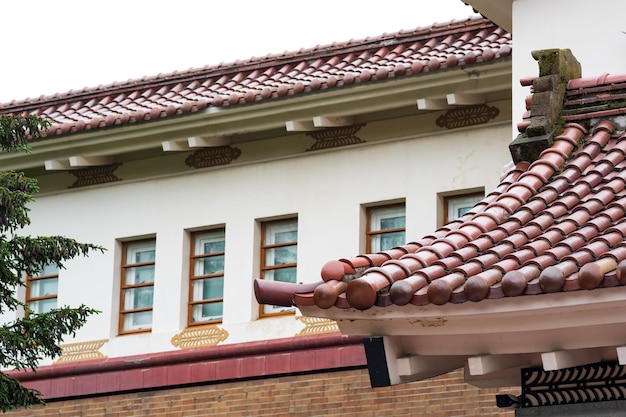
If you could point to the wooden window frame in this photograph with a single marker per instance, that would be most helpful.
(31, 279)
(369, 233)
(192, 277)
(264, 268)
(477, 195)
(125, 287)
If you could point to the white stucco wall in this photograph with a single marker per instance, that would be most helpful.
(325, 189)
(591, 29)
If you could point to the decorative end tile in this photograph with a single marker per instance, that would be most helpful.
(315, 325)
(194, 337)
(82, 351)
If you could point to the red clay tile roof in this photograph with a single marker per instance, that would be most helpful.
(456, 43)
(557, 224)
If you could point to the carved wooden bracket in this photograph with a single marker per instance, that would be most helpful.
(467, 116)
(94, 175)
(210, 157)
(334, 137)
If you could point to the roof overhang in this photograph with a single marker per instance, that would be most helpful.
(492, 339)
(241, 123)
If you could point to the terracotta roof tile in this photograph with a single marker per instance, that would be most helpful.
(441, 46)
(557, 224)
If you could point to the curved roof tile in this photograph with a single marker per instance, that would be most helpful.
(555, 225)
(445, 45)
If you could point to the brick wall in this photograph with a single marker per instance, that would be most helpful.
(330, 394)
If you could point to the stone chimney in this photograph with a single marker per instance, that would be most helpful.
(556, 68)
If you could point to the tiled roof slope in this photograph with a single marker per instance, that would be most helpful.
(441, 46)
(557, 224)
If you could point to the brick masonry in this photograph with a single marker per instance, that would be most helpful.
(342, 393)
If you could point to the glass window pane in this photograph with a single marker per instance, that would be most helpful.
(49, 269)
(385, 241)
(139, 274)
(43, 306)
(137, 321)
(211, 242)
(207, 312)
(140, 252)
(138, 298)
(208, 289)
(43, 287)
(144, 256)
(283, 274)
(210, 265)
(268, 309)
(382, 218)
(281, 232)
(458, 206)
(392, 222)
(281, 256)
(286, 237)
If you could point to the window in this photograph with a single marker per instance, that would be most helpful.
(279, 253)
(455, 206)
(42, 289)
(206, 287)
(137, 286)
(385, 227)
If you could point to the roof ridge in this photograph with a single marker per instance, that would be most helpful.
(251, 64)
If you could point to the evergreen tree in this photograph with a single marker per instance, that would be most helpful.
(27, 340)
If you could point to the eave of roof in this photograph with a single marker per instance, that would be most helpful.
(538, 266)
(462, 43)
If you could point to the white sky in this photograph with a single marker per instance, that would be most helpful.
(51, 46)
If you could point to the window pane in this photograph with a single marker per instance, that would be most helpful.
(281, 256)
(458, 206)
(139, 274)
(382, 218)
(281, 232)
(138, 298)
(385, 241)
(210, 265)
(49, 269)
(286, 237)
(140, 252)
(268, 309)
(137, 321)
(207, 312)
(283, 274)
(43, 306)
(211, 242)
(208, 289)
(43, 287)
